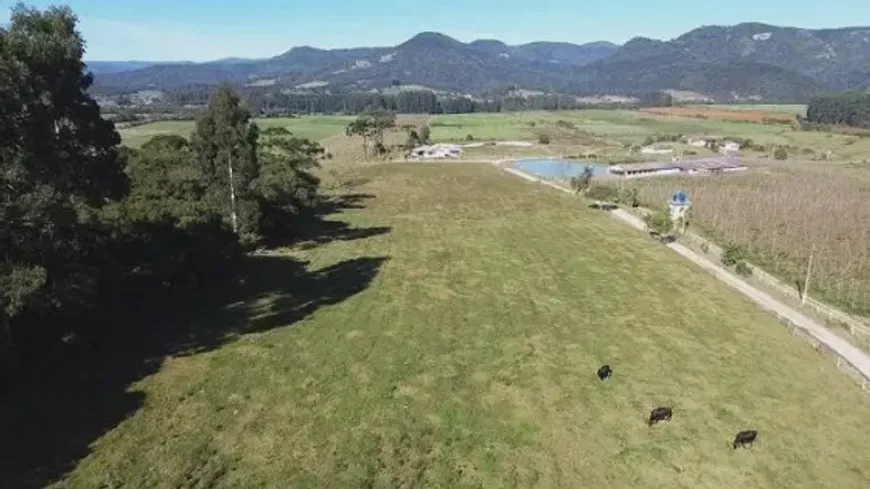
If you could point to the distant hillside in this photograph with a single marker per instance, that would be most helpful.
(744, 62)
(429, 59)
(106, 67)
(832, 59)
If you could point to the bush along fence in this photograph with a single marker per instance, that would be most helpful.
(857, 326)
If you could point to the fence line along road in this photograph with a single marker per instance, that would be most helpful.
(846, 355)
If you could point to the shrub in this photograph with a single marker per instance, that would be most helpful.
(544, 139)
(658, 221)
(780, 153)
(469, 137)
(732, 254)
(743, 269)
(629, 197)
(581, 183)
(604, 193)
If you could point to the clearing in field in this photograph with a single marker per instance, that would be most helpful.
(445, 331)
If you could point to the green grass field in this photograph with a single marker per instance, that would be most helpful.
(312, 127)
(459, 350)
(613, 131)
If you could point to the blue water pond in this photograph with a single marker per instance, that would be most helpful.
(559, 169)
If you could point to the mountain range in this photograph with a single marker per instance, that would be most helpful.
(741, 62)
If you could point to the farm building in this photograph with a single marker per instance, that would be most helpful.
(728, 147)
(437, 151)
(696, 142)
(656, 150)
(700, 166)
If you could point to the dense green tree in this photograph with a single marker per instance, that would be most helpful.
(361, 126)
(851, 109)
(167, 230)
(371, 126)
(59, 165)
(225, 145)
(425, 134)
(381, 121)
(285, 186)
(167, 183)
(90, 232)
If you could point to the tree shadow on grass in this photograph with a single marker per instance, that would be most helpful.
(317, 229)
(277, 292)
(49, 423)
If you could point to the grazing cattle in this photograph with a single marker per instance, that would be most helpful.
(604, 372)
(744, 438)
(660, 414)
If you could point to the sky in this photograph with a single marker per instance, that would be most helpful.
(201, 30)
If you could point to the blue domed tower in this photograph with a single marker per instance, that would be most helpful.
(680, 205)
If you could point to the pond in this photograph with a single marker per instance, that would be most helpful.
(560, 169)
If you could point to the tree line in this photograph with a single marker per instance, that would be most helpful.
(92, 233)
(267, 102)
(850, 109)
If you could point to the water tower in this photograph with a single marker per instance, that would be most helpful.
(679, 206)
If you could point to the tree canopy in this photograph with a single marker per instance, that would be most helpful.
(91, 231)
(851, 109)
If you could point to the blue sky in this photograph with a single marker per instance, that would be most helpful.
(199, 30)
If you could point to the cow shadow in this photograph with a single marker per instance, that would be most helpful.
(50, 419)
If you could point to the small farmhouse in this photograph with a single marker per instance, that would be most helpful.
(697, 142)
(728, 147)
(656, 149)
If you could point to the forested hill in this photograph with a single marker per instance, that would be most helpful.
(745, 61)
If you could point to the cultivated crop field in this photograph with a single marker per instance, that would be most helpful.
(797, 109)
(781, 214)
(311, 127)
(444, 331)
(732, 115)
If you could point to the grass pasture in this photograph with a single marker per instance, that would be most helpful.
(311, 127)
(449, 335)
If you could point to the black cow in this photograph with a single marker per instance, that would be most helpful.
(744, 438)
(604, 372)
(660, 414)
